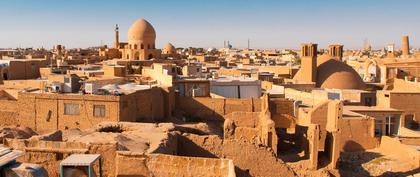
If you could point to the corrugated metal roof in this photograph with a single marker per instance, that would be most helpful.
(7, 155)
(80, 160)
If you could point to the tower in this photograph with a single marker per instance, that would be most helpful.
(336, 51)
(117, 36)
(405, 46)
(308, 62)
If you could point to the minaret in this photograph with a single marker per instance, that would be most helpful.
(308, 65)
(117, 40)
(405, 47)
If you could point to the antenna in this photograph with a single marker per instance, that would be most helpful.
(248, 43)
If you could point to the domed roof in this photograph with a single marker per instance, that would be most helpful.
(336, 74)
(141, 30)
(169, 48)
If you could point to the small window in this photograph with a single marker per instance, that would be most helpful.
(66, 80)
(198, 69)
(71, 109)
(48, 118)
(173, 70)
(99, 110)
(141, 46)
(387, 95)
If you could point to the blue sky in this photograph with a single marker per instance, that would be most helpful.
(206, 23)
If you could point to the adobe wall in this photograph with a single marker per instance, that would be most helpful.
(27, 69)
(22, 84)
(254, 127)
(319, 115)
(403, 85)
(409, 102)
(214, 108)
(36, 107)
(156, 72)
(393, 146)
(405, 132)
(45, 112)
(306, 97)
(8, 112)
(249, 159)
(313, 135)
(145, 106)
(282, 111)
(49, 154)
(277, 70)
(160, 165)
(232, 72)
(356, 134)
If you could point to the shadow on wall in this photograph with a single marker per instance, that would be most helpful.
(193, 110)
(352, 146)
(241, 173)
(213, 109)
(293, 147)
(408, 173)
(186, 147)
(350, 162)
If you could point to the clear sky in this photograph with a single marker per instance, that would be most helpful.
(206, 23)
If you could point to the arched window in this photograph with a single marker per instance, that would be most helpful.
(128, 56)
(153, 46)
(135, 46)
(148, 46)
(141, 46)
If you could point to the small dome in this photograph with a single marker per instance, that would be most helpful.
(336, 74)
(141, 30)
(168, 49)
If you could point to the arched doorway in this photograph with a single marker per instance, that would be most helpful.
(372, 71)
(150, 56)
(5, 73)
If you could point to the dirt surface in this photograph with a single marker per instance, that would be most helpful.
(374, 163)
